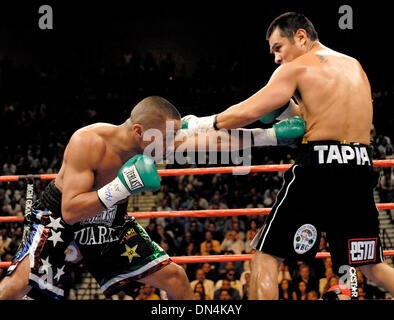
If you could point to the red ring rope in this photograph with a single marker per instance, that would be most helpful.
(200, 213)
(222, 258)
(189, 171)
(204, 213)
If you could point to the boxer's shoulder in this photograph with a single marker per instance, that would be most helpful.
(86, 142)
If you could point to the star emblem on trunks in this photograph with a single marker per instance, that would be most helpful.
(55, 237)
(55, 223)
(59, 273)
(130, 252)
(45, 264)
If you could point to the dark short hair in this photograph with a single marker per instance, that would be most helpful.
(160, 104)
(288, 24)
(153, 109)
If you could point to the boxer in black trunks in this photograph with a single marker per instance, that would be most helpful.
(330, 187)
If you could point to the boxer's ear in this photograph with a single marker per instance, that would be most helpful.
(138, 130)
(301, 37)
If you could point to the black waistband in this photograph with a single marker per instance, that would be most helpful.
(334, 153)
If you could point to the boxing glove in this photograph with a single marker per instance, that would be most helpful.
(192, 122)
(137, 174)
(270, 117)
(285, 132)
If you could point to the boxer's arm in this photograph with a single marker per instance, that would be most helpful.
(213, 140)
(82, 155)
(278, 91)
(293, 110)
(282, 133)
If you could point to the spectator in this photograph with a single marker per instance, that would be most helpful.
(196, 230)
(283, 273)
(249, 237)
(233, 281)
(209, 286)
(163, 205)
(225, 285)
(13, 208)
(312, 295)
(285, 292)
(5, 241)
(175, 228)
(121, 295)
(200, 290)
(214, 245)
(212, 228)
(255, 202)
(217, 201)
(211, 271)
(190, 250)
(252, 226)
(331, 281)
(224, 266)
(300, 292)
(164, 236)
(225, 295)
(232, 242)
(234, 223)
(147, 292)
(245, 285)
(323, 281)
(240, 231)
(209, 250)
(185, 245)
(305, 275)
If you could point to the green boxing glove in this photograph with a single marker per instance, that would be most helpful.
(289, 130)
(285, 132)
(270, 117)
(138, 174)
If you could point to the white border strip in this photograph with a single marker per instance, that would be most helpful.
(46, 285)
(34, 244)
(133, 273)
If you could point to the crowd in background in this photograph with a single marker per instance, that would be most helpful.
(38, 115)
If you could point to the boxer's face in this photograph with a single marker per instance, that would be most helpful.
(161, 136)
(283, 49)
(169, 133)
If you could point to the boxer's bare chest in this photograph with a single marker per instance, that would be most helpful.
(108, 167)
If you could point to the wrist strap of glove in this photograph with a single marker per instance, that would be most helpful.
(264, 137)
(112, 193)
(215, 122)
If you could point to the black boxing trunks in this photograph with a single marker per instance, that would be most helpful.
(114, 248)
(44, 242)
(328, 189)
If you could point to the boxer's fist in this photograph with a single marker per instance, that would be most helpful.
(288, 131)
(137, 174)
(194, 123)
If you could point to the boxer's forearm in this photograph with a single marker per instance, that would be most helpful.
(237, 116)
(214, 140)
(81, 207)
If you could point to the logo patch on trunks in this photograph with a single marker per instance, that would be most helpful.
(362, 250)
(130, 252)
(304, 238)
